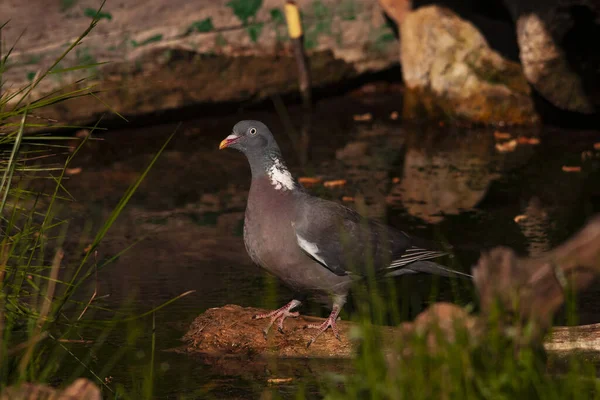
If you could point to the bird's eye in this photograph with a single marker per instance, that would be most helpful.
(252, 131)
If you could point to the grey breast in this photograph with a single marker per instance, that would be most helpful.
(271, 242)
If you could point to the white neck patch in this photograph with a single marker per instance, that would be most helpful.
(280, 177)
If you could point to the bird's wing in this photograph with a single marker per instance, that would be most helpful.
(345, 243)
(319, 233)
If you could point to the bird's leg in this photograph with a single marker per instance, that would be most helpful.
(329, 322)
(280, 314)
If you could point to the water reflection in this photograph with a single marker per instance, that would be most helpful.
(425, 179)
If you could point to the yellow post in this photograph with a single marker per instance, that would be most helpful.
(292, 16)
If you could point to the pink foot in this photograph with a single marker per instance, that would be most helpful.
(279, 315)
(329, 322)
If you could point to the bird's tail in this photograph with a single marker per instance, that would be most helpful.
(429, 267)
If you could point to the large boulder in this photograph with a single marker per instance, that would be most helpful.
(450, 69)
(165, 54)
(558, 42)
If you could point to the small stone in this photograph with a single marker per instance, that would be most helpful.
(309, 180)
(506, 147)
(363, 117)
(502, 135)
(520, 218)
(334, 183)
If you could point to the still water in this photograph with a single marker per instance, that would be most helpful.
(461, 184)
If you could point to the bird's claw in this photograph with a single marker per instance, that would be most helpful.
(330, 322)
(278, 316)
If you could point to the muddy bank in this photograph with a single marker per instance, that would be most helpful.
(164, 55)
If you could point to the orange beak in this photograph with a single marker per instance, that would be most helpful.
(227, 141)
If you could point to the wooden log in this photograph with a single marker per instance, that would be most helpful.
(229, 332)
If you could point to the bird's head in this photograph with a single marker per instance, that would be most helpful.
(249, 137)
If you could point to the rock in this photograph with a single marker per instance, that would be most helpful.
(450, 69)
(81, 389)
(396, 9)
(166, 54)
(558, 41)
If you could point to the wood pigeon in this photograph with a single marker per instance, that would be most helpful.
(317, 247)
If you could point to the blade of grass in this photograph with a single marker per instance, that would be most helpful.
(8, 173)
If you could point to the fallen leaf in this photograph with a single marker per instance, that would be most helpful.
(275, 381)
(394, 115)
(567, 168)
(309, 180)
(363, 117)
(73, 171)
(505, 147)
(597, 146)
(348, 199)
(520, 218)
(502, 135)
(395, 179)
(526, 140)
(335, 183)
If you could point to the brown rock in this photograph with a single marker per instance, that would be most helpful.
(396, 9)
(558, 42)
(451, 70)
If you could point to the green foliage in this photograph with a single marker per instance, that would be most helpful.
(277, 16)
(206, 25)
(254, 31)
(322, 18)
(151, 39)
(90, 12)
(244, 9)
